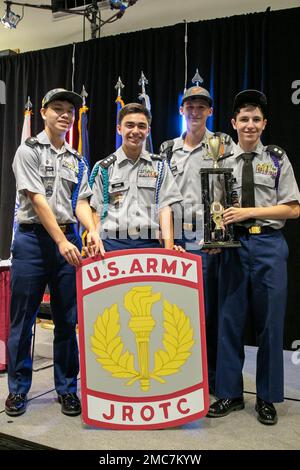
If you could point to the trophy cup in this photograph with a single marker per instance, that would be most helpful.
(216, 234)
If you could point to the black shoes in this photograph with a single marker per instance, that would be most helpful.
(224, 406)
(266, 412)
(70, 404)
(16, 404)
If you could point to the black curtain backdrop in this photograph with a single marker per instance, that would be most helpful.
(259, 50)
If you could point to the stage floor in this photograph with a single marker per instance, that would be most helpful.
(44, 424)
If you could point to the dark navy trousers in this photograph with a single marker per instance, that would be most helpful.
(253, 279)
(36, 263)
(210, 273)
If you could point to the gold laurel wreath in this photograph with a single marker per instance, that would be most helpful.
(178, 340)
(108, 347)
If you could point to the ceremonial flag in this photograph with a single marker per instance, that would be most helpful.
(120, 104)
(84, 150)
(83, 144)
(26, 132)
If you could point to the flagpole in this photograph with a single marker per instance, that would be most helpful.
(120, 104)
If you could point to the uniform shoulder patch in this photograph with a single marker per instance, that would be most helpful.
(78, 155)
(31, 142)
(154, 156)
(166, 149)
(168, 144)
(108, 161)
(275, 150)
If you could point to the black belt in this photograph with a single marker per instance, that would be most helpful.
(144, 234)
(253, 230)
(39, 228)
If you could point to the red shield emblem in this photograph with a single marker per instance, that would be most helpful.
(142, 339)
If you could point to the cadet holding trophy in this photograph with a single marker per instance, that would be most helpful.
(255, 275)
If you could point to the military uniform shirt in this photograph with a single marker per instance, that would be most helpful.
(51, 172)
(185, 165)
(132, 189)
(265, 173)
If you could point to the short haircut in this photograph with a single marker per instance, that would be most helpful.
(249, 105)
(133, 108)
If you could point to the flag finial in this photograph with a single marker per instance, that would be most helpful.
(84, 95)
(197, 78)
(142, 82)
(119, 85)
(28, 104)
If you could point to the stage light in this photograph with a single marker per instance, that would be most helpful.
(91, 12)
(10, 19)
(121, 5)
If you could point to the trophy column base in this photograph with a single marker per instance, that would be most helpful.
(221, 244)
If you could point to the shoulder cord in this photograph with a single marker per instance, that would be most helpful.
(169, 154)
(93, 175)
(104, 173)
(81, 165)
(77, 186)
(278, 166)
(160, 171)
(87, 165)
(75, 194)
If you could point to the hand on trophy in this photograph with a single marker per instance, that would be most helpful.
(236, 214)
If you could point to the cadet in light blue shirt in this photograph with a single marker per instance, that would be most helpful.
(186, 155)
(133, 190)
(53, 191)
(254, 277)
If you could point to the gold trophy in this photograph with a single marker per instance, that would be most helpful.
(216, 235)
(214, 145)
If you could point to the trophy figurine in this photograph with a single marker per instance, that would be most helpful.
(216, 234)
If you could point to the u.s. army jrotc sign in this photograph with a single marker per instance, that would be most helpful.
(142, 339)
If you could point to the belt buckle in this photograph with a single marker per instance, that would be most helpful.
(63, 228)
(255, 230)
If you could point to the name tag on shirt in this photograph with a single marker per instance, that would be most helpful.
(117, 185)
(174, 170)
(49, 169)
